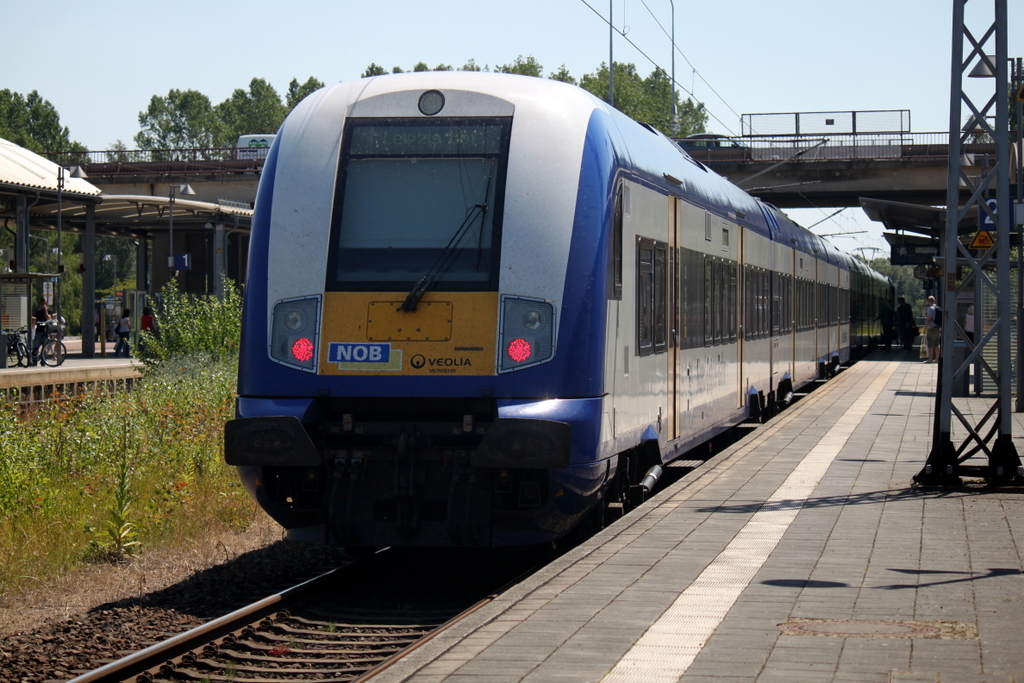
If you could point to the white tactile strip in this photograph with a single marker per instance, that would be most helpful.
(670, 645)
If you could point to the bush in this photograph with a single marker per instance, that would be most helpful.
(191, 325)
(105, 475)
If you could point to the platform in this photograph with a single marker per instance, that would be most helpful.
(802, 553)
(36, 383)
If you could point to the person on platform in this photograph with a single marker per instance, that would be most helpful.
(969, 323)
(41, 316)
(905, 323)
(124, 329)
(886, 318)
(933, 330)
(148, 322)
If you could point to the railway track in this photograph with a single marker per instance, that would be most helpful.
(340, 627)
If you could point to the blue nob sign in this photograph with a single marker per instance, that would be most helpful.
(358, 353)
(183, 261)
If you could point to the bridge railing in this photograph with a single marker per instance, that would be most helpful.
(149, 161)
(751, 148)
(835, 147)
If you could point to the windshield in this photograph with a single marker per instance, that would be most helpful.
(405, 191)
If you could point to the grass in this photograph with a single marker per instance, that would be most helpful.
(100, 477)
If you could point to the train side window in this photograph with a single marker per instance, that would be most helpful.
(732, 305)
(615, 292)
(803, 303)
(644, 296)
(709, 299)
(822, 315)
(798, 305)
(660, 297)
(691, 295)
(721, 302)
(749, 302)
(775, 315)
(763, 303)
(787, 304)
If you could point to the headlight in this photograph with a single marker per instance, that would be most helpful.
(527, 333)
(294, 335)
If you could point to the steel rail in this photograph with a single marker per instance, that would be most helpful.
(143, 660)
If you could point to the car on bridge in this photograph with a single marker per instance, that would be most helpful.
(714, 147)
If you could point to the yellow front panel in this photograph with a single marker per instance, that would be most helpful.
(431, 321)
(449, 333)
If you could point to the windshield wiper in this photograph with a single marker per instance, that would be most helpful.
(444, 260)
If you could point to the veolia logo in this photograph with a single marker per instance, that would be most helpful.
(417, 361)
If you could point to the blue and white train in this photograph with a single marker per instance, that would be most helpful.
(481, 307)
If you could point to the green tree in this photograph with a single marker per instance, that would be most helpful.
(297, 92)
(647, 99)
(420, 66)
(33, 123)
(118, 151)
(562, 75)
(115, 265)
(256, 111)
(524, 67)
(904, 282)
(184, 120)
(471, 65)
(374, 69)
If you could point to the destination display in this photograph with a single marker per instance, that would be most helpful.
(433, 138)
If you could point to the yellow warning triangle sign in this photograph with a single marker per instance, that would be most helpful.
(982, 240)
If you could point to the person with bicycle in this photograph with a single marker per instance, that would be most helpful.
(39, 334)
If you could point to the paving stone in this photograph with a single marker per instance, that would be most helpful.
(864, 547)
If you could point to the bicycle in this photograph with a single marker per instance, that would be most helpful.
(53, 351)
(17, 348)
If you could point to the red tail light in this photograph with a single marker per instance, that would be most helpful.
(302, 349)
(519, 350)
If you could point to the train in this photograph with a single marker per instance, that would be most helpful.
(483, 309)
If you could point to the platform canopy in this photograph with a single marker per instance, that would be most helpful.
(23, 170)
(900, 217)
(31, 179)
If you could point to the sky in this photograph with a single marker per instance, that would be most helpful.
(100, 62)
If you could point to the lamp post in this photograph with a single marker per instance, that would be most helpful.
(76, 172)
(184, 189)
(611, 56)
(113, 258)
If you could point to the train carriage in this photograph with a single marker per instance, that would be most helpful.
(481, 308)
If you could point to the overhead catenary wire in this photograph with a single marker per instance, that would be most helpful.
(689, 92)
(658, 66)
(687, 60)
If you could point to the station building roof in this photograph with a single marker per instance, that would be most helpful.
(21, 168)
(23, 172)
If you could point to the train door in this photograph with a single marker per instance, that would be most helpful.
(819, 333)
(792, 313)
(741, 315)
(675, 319)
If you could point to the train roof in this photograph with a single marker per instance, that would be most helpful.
(639, 148)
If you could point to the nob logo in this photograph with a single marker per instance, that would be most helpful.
(359, 353)
(417, 361)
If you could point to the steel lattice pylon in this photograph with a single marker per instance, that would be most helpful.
(991, 433)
